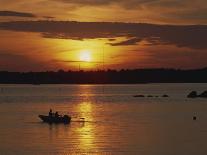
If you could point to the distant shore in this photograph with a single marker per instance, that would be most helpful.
(124, 76)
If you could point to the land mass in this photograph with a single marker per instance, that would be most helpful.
(124, 76)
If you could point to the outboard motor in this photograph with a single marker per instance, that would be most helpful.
(66, 119)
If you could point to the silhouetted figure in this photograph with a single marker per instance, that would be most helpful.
(56, 114)
(50, 112)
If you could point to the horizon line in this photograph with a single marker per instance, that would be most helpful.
(115, 22)
(106, 70)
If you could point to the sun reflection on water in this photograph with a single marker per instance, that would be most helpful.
(86, 132)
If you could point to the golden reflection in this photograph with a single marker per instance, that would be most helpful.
(86, 110)
(86, 132)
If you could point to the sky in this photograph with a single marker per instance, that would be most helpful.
(41, 35)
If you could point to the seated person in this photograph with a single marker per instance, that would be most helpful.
(50, 112)
(56, 114)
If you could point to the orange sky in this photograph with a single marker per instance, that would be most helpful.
(40, 46)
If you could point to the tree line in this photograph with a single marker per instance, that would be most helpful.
(123, 76)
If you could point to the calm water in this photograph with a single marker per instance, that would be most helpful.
(115, 122)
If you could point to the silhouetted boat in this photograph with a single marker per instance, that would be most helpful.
(52, 119)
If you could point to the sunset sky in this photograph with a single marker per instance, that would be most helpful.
(40, 35)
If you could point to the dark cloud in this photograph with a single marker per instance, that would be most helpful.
(16, 14)
(132, 41)
(193, 36)
(48, 17)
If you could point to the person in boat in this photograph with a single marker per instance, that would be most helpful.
(56, 114)
(50, 113)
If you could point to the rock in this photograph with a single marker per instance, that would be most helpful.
(138, 96)
(203, 94)
(192, 94)
(165, 95)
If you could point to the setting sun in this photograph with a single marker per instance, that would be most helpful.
(85, 56)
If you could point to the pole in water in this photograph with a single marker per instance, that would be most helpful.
(103, 66)
(103, 58)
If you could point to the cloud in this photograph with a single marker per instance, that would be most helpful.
(133, 4)
(156, 10)
(192, 36)
(122, 3)
(72, 61)
(89, 2)
(153, 11)
(132, 41)
(16, 14)
(48, 17)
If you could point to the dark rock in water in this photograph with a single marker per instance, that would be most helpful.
(138, 96)
(194, 117)
(192, 94)
(204, 94)
(165, 95)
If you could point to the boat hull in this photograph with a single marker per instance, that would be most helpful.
(51, 119)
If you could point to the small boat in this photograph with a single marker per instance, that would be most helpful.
(53, 119)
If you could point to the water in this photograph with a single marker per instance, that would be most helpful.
(115, 122)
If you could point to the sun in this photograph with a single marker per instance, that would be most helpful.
(85, 56)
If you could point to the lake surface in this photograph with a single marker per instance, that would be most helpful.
(115, 122)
